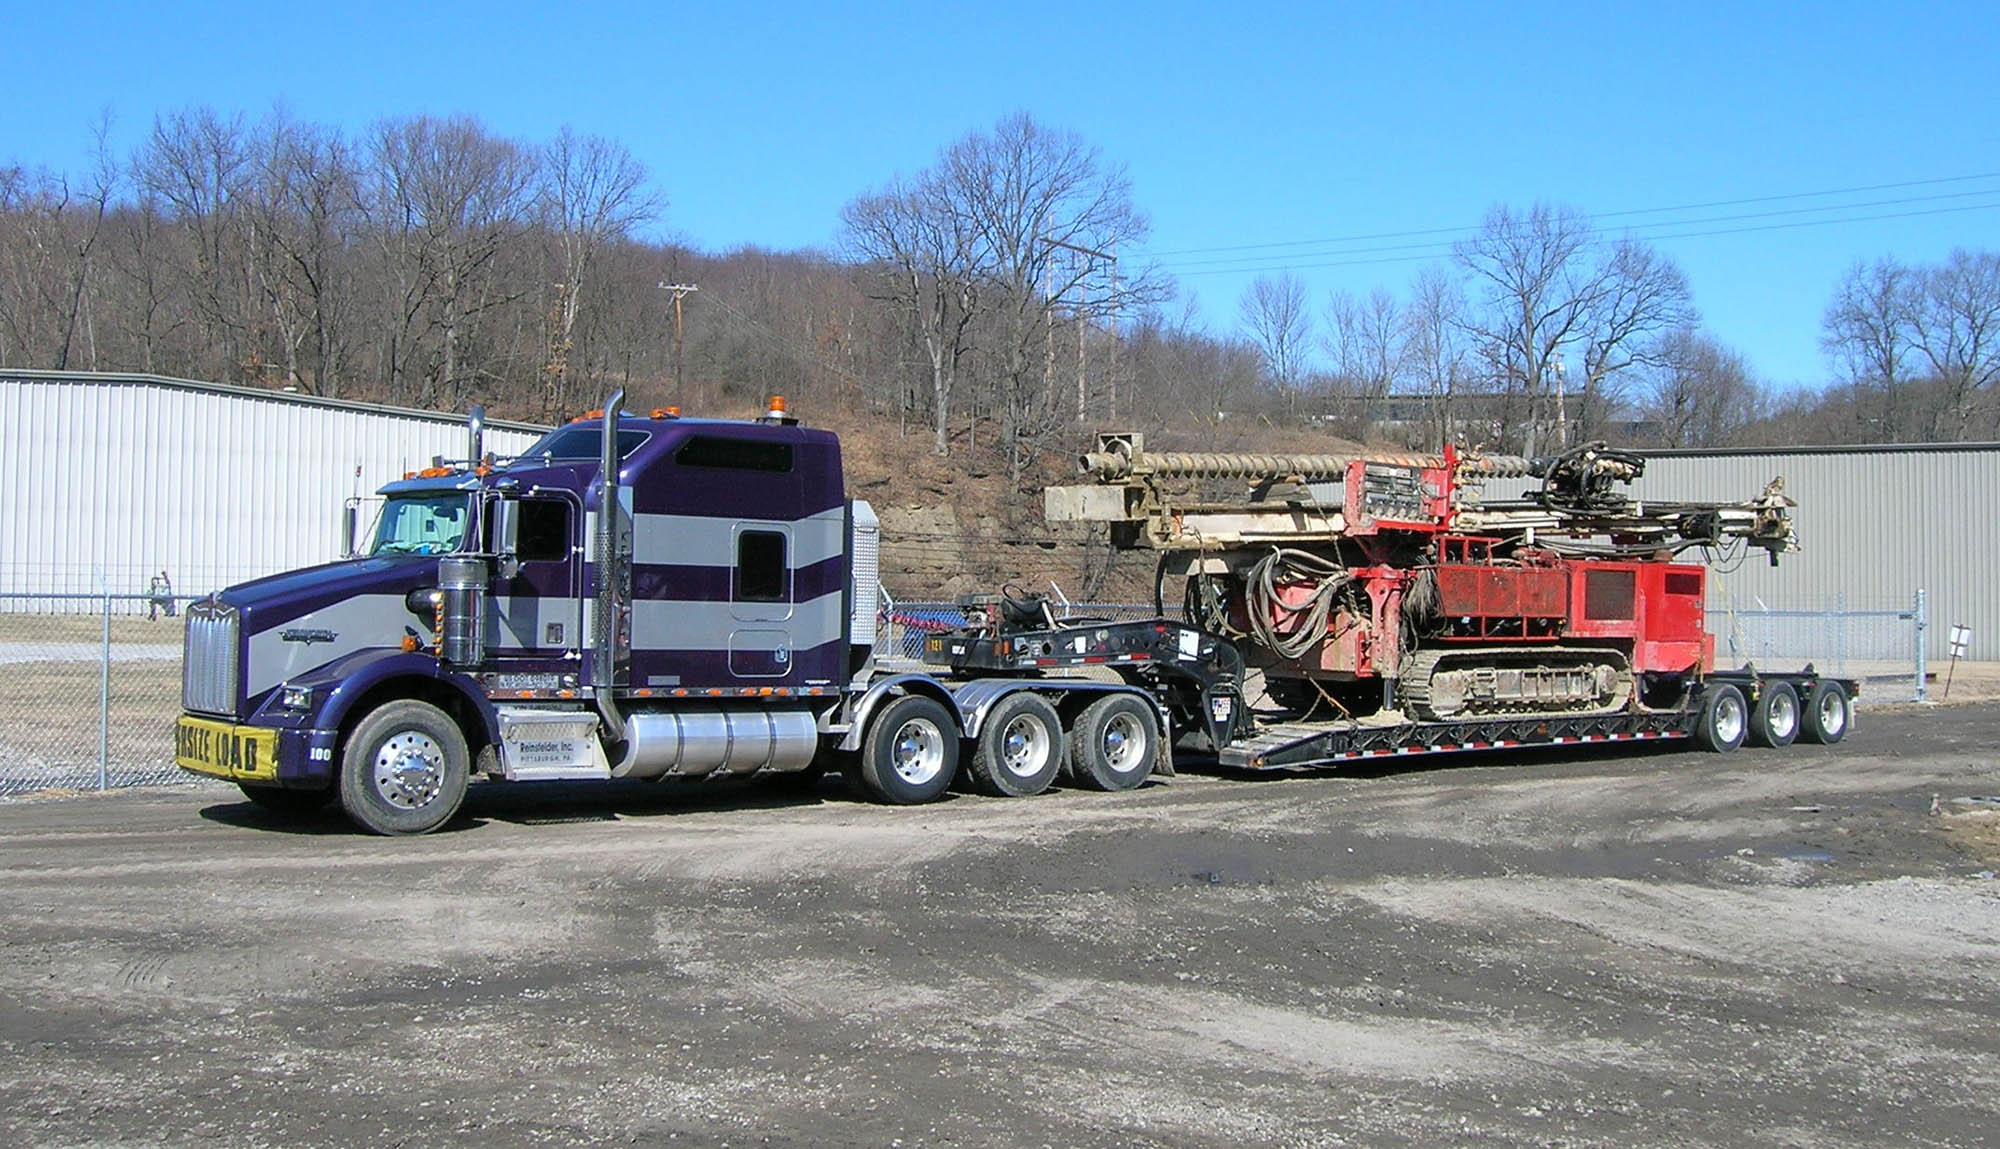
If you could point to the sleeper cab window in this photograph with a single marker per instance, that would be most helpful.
(760, 566)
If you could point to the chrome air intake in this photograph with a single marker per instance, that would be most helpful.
(462, 611)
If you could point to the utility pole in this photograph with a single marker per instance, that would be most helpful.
(681, 291)
(1083, 320)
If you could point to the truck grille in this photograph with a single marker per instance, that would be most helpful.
(208, 665)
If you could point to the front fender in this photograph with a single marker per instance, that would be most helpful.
(351, 679)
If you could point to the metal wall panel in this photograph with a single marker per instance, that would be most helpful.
(107, 479)
(1876, 524)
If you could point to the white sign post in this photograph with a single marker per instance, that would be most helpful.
(1961, 641)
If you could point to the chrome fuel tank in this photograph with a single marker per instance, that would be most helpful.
(704, 740)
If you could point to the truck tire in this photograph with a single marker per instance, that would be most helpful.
(279, 800)
(404, 770)
(910, 753)
(1828, 713)
(1020, 748)
(1724, 718)
(1775, 719)
(1113, 743)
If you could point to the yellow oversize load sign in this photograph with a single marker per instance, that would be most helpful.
(224, 750)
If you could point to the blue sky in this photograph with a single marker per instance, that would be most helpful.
(1275, 125)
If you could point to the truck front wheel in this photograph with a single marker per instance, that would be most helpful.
(1112, 745)
(910, 753)
(404, 770)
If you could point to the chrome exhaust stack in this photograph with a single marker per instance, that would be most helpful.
(610, 568)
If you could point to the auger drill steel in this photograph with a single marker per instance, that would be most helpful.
(1385, 584)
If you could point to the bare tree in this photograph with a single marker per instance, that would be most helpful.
(592, 194)
(1867, 335)
(1537, 291)
(1697, 392)
(1273, 311)
(1033, 197)
(195, 164)
(446, 198)
(1954, 327)
(308, 215)
(930, 267)
(1365, 339)
(1434, 349)
(1639, 294)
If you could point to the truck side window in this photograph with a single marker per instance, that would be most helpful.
(760, 566)
(544, 530)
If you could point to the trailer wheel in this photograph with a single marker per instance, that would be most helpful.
(910, 753)
(1113, 743)
(1775, 719)
(1020, 748)
(279, 800)
(404, 770)
(1828, 713)
(1724, 719)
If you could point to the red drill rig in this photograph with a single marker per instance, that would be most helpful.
(1384, 586)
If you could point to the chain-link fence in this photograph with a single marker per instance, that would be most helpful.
(88, 700)
(1881, 644)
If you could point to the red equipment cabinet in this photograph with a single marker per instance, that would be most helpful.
(1660, 608)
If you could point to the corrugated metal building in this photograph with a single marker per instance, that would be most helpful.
(106, 480)
(1877, 523)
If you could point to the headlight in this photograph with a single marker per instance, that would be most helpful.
(296, 697)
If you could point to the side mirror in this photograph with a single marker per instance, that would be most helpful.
(507, 536)
(350, 515)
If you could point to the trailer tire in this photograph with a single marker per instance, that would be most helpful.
(1113, 744)
(1775, 719)
(1724, 719)
(1020, 749)
(279, 800)
(910, 753)
(1828, 713)
(404, 770)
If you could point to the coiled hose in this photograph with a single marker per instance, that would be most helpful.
(1307, 621)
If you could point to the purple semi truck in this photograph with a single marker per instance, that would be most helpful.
(680, 598)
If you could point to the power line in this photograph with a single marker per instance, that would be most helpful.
(1420, 253)
(1251, 262)
(1362, 238)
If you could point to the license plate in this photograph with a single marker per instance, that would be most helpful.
(225, 750)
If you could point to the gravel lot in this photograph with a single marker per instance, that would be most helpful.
(1772, 947)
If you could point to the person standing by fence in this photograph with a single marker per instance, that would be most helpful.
(160, 594)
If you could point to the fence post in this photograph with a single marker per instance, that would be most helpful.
(1923, 688)
(104, 697)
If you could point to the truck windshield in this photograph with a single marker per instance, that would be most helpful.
(420, 525)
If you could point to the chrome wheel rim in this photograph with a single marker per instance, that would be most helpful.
(1784, 713)
(918, 751)
(409, 769)
(1124, 742)
(1024, 746)
(1728, 719)
(1832, 712)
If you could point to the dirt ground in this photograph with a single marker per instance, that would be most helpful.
(1796, 947)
